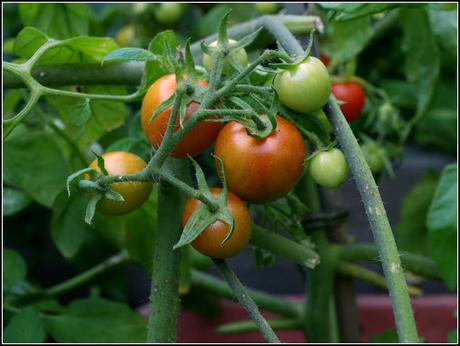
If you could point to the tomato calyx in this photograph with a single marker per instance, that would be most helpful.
(207, 214)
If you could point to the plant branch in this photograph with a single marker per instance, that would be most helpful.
(250, 326)
(279, 245)
(87, 276)
(265, 301)
(417, 264)
(246, 301)
(369, 276)
(378, 220)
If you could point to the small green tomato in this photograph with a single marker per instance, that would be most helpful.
(267, 7)
(306, 87)
(240, 57)
(329, 168)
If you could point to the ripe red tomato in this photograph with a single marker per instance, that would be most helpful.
(210, 240)
(134, 193)
(352, 93)
(261, 170)
(196, 141)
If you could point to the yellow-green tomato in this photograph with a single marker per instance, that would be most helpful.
(125, 36)
(329, 168)
(267, 7)
(168, 12)
(134, 193)
(240, 57)
(304, 88)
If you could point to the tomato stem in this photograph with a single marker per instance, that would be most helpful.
(379, 223)
(246, 301)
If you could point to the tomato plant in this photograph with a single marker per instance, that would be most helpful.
(122, 122)
(134, 194)
(261, 170)
(211, 241)
(329, 168)
(304, 87)
(353, 96)
(196, 141)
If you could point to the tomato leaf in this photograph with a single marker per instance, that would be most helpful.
(14, 200)
(126, 54)
(80, 113)
(17, 268)
(25, 327)
(442, 226)
(100, 319)
(28, 41)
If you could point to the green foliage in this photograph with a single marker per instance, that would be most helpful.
(442, 225)
(389, 336)
(14, 201)
(34, 163)
(346, 11)
(411, 231)
(17, 269)
(25, 327)
(422, 59)
(96, 320)
(57, 20)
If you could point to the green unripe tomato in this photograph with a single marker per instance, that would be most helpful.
(240, 57)
(125, 36)
(306, 87)
(374, 156)
(168, 12)
(329, 168)
(267, 7)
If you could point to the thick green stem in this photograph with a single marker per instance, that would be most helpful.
(250, 326)
(366, 275)
(164, 295)
(417, 264)
(378, 220)
(273, 242)
(246, 301)
(265, 301)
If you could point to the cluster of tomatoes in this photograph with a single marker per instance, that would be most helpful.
(257, 170)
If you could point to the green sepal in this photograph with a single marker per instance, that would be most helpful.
(162, 107)
(113, 195)
(203, 217)
(222, 37)
(245, 41)
(91, 207)
(88, 185)
(71, 179)
(100, 163)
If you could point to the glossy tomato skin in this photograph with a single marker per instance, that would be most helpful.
(134, 193)
(209, 241)
(168, 12)
(240, 56)
(266, 7)
(261, 170)
(353, 94)
(305, 88)
(197, 139)
(329, 168)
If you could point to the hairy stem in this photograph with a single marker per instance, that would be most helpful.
(378, 220)
(164, 294)
(246, 301)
